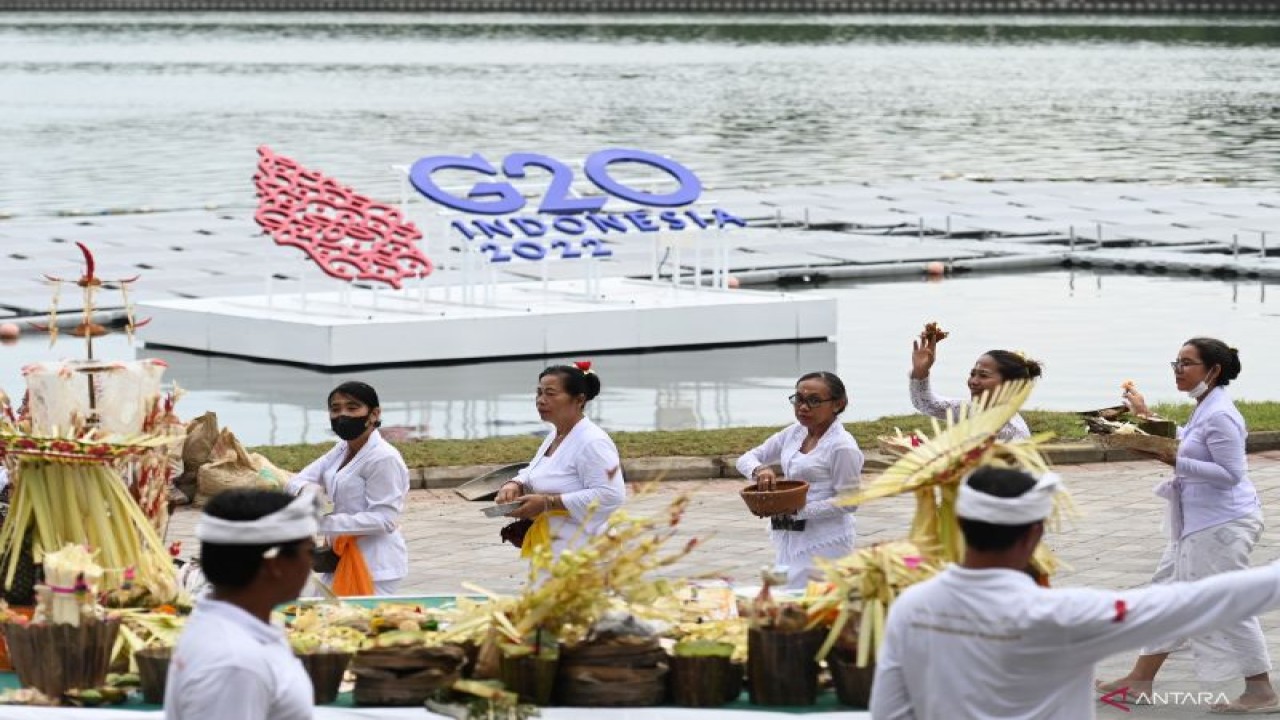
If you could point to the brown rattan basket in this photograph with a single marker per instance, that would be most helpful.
(789, 497)
(153, 669)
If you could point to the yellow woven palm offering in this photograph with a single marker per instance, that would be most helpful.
(865, 584)
(934, 469)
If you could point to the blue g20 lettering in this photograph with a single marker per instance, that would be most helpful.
(500, 198)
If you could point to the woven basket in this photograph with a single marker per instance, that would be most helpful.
(613, 674)
(326, 671)
(853, 684)
(402, 676)
(153, 669)
(56, 658)
(788, 498)
(781, 666)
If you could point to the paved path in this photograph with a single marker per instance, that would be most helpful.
(1115, 544)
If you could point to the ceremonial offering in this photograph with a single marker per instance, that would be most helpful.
(68, 643)
(326, 670)
(934, 333)
(788, 497)
(620, 671)
(153, 669)
(501, 509)
(530, 672)
(404, 675)
(702, 673)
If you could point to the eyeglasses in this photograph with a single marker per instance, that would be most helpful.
(809, 402)
(1179, 365)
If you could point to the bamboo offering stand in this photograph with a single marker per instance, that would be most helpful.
(90, 467)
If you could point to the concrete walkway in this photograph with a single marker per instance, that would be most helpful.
(1115, 544)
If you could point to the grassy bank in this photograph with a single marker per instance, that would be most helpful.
(729, 441)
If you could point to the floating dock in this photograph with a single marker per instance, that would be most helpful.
(517, 319)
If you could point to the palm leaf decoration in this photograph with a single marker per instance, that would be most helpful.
(933, 470)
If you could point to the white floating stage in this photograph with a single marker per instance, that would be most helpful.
(359, 327)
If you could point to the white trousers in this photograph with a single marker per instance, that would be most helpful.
(800, 567)
(1232, 651)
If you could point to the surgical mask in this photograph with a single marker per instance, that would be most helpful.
(1199, 390)
(347, 427)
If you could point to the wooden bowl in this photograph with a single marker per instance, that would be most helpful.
(789, 497)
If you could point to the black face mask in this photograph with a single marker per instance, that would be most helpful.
(349, 428)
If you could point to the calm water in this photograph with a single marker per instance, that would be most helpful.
(165, 110)
(1092, 331)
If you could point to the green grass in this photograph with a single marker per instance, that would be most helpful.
(730, 441)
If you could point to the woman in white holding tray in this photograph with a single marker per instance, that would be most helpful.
(574, 482)
(819, 450)
(1215, 520)
(367, 480)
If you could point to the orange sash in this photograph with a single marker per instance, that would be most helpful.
(352, 576)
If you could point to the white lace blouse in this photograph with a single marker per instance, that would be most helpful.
(831, 468)
(925, 401)
(587, 474)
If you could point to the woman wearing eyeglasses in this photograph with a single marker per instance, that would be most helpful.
(818, 450)
(991, 369)
(1215, 519)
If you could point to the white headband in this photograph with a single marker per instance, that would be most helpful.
(1032, 506)
(298, 520)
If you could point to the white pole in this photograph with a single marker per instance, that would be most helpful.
(1072, 233)
(1262, 252)
(1235, 247)
(302, 278)
(697, 262)
(675, 269)
(543, 264)
(1099, 235)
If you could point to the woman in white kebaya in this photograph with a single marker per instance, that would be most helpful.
(574, 482)
(818, 450)
(1215, 519)
(367, 481)
(989, 371)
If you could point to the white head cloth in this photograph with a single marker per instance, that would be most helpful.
(295, 521)
(1032, 506)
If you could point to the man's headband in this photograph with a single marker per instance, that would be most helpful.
(1030, 507)
(298, 520)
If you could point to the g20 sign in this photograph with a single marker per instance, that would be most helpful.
(568, 226)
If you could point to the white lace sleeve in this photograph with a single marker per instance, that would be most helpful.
(923, 399)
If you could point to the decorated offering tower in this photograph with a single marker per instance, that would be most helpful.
(88, 457)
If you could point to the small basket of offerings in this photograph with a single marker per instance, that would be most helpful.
(781, 665)
(326, 670)
(618, 671)
(853, 684)
(68, 643)
(702, 674)
(403, 671)
(530, 671)
(788, 497)
(782, 648)
(153, 669)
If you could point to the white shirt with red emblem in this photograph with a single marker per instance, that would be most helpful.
(230, 664)
(991, 643)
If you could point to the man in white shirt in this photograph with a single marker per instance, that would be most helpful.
(982, 640)
(230, 662)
